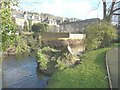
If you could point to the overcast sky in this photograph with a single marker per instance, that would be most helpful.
(82, 9)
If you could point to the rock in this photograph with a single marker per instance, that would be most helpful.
(10, 51)
(77, 62)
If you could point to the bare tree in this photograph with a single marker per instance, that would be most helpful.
(112, 10)
(104, 8)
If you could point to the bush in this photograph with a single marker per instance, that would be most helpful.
(42, 60)
(99, 35)
(61, 65)
(46, 49)
(65, 60)
(61, 59)
(39, 27)
(21, 45)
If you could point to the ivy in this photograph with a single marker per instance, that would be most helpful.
(7, 26)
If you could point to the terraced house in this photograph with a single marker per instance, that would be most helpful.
(56, 24)
(20, 17)
(77, 26)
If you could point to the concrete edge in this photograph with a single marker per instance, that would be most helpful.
(108, 71)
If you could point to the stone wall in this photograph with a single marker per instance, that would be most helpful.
(55, 35)
(61, 43)
(60, 40)
(53, 28)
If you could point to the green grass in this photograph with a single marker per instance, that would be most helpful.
(90, 74)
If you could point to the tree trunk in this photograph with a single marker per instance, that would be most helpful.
(104, 9)
(111, 10)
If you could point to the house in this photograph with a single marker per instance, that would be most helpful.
(56, 24)
(21, 17)
(77, 26)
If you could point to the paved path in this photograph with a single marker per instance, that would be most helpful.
(112, 60)
(0, 75)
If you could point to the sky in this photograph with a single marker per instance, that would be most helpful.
(82, 9)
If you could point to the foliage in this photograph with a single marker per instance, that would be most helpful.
(46, 49)
(61, 64)
(7, 26)
(60, 59)
(42, 60)
(99, 35)
(32, 42)
(21, 44)
(85, 75)
(39, 27)
(65, 60)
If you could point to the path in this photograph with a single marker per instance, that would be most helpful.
(112, 60)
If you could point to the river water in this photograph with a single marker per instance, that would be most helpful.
(21, 72)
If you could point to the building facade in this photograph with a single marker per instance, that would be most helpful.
(21, 17)
(77, 26)
(56, 24)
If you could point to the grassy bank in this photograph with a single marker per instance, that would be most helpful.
(90, 74)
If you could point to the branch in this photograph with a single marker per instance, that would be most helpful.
(117, 2)
(116, 14)
(111, 10)
(116, 9)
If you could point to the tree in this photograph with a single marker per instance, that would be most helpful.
(108, 12)
(39, 27)
(100, 35)
(7, 26)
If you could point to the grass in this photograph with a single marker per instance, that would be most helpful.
(90, 74)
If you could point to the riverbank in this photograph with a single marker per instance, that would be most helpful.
(90, 74)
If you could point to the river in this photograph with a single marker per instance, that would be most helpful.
(21, 72)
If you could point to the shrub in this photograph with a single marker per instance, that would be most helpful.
(61, 65)
(45, 49)
(21, 44)
(65, 60)
(99, 35)
(42, 60)
(39, 27)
